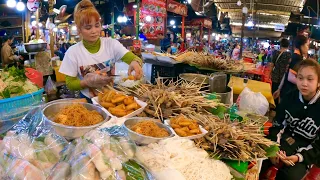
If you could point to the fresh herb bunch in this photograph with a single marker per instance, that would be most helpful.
(18, 74)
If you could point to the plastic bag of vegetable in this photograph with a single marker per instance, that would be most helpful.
(31, 149)
(104, 154)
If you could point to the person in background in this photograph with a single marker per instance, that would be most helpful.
(165, 43)
(236, 52)
(279, 65)
(297, 123)
(288, 82)
(7, 56)
(262, 56)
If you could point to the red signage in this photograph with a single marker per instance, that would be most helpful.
(153, 15)
(207, 23)
(137, 44)
(177, 8)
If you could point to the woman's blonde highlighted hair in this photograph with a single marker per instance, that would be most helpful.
(83, 13)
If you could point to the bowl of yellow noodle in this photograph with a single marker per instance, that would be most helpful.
(73, 119)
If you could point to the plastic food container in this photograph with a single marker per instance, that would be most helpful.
(204, 132)
(142, 105)
(70, 132)
(141, 139)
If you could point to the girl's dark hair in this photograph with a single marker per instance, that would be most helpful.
(300, 41)
(310, 63)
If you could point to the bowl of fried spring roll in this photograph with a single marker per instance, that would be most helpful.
(73, 119)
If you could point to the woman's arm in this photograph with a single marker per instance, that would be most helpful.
(312, 155)
(129, 57)
(74, 83)
(309, 157)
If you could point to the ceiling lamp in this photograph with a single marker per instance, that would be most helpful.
(189, 1)
(245, 10)
(11, 3)
(21, 6)
(135, 6)
(239, 3)
(172, 22)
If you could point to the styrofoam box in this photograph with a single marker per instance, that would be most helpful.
(204, 132)
(142, 104)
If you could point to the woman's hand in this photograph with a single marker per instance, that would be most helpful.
(293, 158)
(288, 160)
(95, 80)
(136, 67)
(276, 94)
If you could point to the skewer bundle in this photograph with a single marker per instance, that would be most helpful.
(208, 61)
(232, 140)
(167, 98)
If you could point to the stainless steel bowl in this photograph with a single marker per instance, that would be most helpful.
(70, 132)
(141, 139)
(35, 47)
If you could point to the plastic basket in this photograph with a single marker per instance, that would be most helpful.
(16, 104)
(162, 71)
(14, 109)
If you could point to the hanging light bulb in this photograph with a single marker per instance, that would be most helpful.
(148, 18)
(11, 3)
(245, 10)
(239, 3)
(20, 6)
(33, 23)
(124, 19)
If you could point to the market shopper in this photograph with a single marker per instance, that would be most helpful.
(236, 52)
(297, 122)
(89, 64)
(279, 65)
(288, 82)
(7, 56)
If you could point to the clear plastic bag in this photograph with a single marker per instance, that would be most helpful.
(32, 150)
(253, 102)
(102, 154)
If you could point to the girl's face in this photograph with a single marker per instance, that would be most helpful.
(91, 32)
(305, 48)
(307, 82)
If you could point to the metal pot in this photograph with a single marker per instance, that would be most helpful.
(35, 47)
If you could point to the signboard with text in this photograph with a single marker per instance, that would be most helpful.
(153, 17)
(177, 8)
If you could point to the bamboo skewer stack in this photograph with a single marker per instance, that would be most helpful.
(168, 98)
(208, 61)
(232, 140)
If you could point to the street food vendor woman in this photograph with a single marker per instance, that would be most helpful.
(89, 63)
